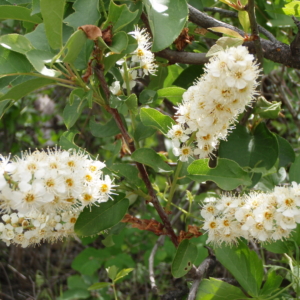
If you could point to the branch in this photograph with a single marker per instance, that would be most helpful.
(143, 172)
(183, 57)
(254, 31)
(233, 14)
(272, 50)
(208, 264)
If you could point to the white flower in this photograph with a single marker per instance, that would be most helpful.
(115, 88)
(184, 153)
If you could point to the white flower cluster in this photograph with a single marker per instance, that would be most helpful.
(142, 56)
(260, 216)
(46, 191)
(210, 107)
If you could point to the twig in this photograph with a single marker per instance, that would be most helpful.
(208, 263)
(143, 172)
(7, 278)
(233, 14)
(183, 57)
(273, 50)
(159, 242)
(254, 30)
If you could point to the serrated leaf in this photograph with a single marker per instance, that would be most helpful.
(150, 158)
(52, 12)
(18, 13)
(86, 12)
(98, 286)
(119, 16)
(152, 117)
(218, 290)
(166, 19)
(227, 31)
(272, 284)
(228, 175)
(109, 129)
(98, 218)
(173, 94)
(256, 150)
(244, 265)
(184, 258)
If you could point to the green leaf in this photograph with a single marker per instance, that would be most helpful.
(73, 46)
(72, 112)
(227, 31)
(166, 19)
(142, 132)
(119, 42)
(119, 16)
(152, 117)
(286, 152)
(218, 290)
(244, 20)
(21, 90)
(109, 129)
(52, 12)
(266, 109)
(256, 150)
(123, 273)
(38, 38)
(98, 218)
(86, 12)
(184, 258)
(98, 286)
(76, 281)
(88, 261)
(66, 140)
(294, 170)
(225, 42)
(128, 171)
(228, 175)
(16, 42)
(279, 247)
(18, 13)
(292, 8)
(272, 284)
(173, 94)
(147, 96)
(112, 272)
(38, 59)
(3, 107)
(150, 158)
(75, 294)
(13, 63)
(244, 265)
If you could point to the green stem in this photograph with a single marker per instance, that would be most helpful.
(137, 192)
(103, 9)
(174, 184)
(132, 117)
(115, 292)
(177, 171)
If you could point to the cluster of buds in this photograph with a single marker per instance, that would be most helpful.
(264, 217)
(142, 58)
(211, 105)
(52, 186)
